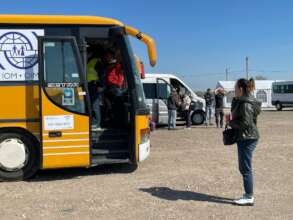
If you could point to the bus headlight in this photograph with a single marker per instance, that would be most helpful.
(145, 144)
(144, 135)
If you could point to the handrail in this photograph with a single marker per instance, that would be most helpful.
(152, 53)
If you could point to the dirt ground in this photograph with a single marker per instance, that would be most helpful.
(189, 175)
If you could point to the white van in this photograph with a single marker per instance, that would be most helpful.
(157, 88)
(282, 94)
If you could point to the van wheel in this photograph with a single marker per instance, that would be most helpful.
(19, 157)
(197, 118)
(279, 106)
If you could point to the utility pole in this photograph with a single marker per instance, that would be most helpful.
(246, 60)
(227, 74)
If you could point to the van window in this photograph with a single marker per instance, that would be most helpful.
(149, 90)
(163, 91)
(182, 90)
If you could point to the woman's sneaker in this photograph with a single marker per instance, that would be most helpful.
(245, 201)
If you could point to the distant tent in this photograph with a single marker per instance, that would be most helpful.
(263, 92)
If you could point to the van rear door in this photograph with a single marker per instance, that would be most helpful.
(64, 112)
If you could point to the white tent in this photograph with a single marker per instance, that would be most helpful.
(263, 92)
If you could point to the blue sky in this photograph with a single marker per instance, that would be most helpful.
(196, 39)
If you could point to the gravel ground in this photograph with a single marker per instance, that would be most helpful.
(189, 175)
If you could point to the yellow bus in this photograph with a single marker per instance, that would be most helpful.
(46, 113)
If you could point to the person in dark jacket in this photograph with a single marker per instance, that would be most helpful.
(219, 105)
(172, 103)
(245, 110)
(210, 103)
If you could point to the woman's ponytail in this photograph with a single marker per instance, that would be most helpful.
(247, 86)
(251, 85)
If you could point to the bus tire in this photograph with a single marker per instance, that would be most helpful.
(279, 106)
(19, 157)
(197, 118)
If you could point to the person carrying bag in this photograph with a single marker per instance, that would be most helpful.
(245, 110)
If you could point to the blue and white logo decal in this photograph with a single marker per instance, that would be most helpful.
(19, 54)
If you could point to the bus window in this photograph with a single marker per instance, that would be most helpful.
(283, 89)
(275, 89)
(62, 77)
(290, 88)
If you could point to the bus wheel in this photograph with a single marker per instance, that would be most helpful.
(19, 157)
(197, 118)
(279, 106)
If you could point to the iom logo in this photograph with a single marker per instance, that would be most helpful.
(18, 50)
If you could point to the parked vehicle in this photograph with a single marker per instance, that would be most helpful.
(157, 88)
(45, 114)
(282, 96)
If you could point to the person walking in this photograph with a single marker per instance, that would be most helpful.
(172, 103)
(245, 110)
(186, 108)
(219, 107)
(210, 101)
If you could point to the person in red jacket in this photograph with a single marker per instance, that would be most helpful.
(116, 87)
(114, 72)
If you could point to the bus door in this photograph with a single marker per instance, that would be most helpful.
(64, 104)
(163, 92)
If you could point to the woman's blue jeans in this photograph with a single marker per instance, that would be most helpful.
(245, 151)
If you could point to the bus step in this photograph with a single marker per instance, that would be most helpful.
(100, 160)
(108, 151)
(111, 141)
(111, 145)
(111, 132)
(109, 135)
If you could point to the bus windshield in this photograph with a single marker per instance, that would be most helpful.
(140, 97)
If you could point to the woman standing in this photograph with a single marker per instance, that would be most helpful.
(245, 109)
(219, 112)
(186, 108)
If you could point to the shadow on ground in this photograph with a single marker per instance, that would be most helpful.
(173, 195)
(75, 173)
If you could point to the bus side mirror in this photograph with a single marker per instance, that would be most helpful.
(150, 43)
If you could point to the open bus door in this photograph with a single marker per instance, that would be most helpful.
(63, 112)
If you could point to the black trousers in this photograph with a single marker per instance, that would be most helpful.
(219, 115)
(187, 118)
